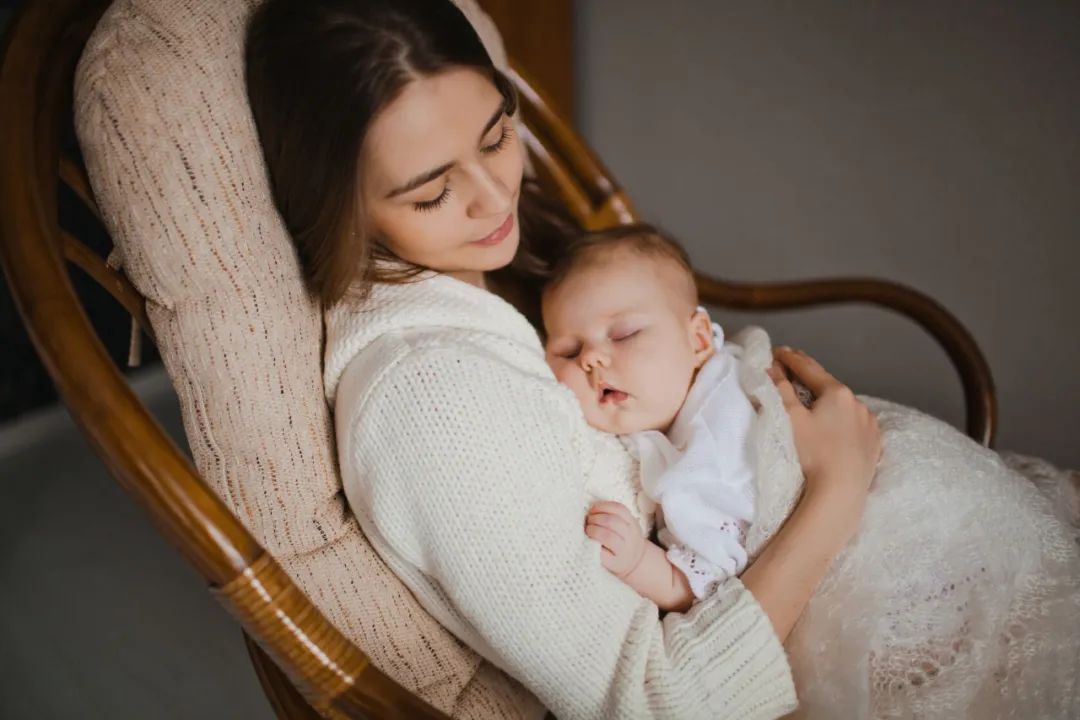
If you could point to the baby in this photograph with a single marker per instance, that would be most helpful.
(625, 332)
(925, 613)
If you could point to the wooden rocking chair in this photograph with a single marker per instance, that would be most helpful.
(306, 666)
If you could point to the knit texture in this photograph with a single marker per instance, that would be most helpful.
(174, 161)
(470, 468)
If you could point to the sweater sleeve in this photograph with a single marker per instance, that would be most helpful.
(466, 474)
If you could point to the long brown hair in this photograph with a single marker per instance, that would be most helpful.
(317, 73)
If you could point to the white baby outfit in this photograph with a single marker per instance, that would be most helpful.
(701, 473)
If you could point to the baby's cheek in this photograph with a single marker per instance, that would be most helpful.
(667, 393)
(579, 388)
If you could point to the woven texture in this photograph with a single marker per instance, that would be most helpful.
(174, 160)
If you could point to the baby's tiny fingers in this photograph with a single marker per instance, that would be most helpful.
(601, 534)
(616, 525)
(611, 507)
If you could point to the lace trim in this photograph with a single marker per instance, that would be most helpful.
(702, 574)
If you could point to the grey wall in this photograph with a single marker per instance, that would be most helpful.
(935, 144)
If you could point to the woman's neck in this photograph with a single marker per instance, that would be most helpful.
(473, 277)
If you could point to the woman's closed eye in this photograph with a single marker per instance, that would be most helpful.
(499, 144)
(429, 205)
(436, 203)
(625, 335)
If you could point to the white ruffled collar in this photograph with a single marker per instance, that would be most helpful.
(706, 382)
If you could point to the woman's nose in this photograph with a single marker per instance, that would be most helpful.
(491, 196)
(593, 357)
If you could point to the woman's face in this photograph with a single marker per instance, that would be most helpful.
(440, 175)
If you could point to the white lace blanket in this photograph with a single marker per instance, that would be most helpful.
(959, 597)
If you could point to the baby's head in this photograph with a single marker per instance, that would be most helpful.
(622, 327)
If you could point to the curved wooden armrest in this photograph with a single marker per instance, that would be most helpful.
(329, 676)
(974, 371)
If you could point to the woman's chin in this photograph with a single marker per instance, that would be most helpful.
(487, 258)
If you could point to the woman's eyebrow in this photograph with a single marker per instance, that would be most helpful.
(491, 122)
(419, 180)
(432, 174)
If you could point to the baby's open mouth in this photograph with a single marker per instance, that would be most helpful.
(609, 394)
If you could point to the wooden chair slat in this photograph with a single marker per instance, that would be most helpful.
(551, 172)
(115, 283)
(74, 176)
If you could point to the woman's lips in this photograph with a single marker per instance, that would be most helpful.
(499, 233)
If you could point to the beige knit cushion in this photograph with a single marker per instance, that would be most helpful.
(173, 156)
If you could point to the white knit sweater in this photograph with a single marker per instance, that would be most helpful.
(470, 469)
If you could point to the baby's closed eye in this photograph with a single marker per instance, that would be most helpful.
(568, 354)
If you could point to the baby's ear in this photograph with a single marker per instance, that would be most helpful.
(701, 336)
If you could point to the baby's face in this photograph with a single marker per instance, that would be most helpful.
(625, 340)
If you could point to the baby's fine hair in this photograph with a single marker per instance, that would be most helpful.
(594, 246)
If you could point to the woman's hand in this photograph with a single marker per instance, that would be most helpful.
(614, 527)
(837, 439)
(838, 444)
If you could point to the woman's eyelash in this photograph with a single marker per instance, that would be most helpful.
(429, 205)
(627, 336)
(570, 355)
(498, 144)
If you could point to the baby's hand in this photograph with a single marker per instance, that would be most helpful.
(618, 532)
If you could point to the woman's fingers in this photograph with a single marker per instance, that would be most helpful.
(807, 369)
(784, 387)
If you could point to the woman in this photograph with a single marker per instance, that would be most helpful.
(395, 164)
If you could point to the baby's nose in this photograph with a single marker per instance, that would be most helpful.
(592, 358)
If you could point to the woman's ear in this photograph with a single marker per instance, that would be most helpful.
(701, 336)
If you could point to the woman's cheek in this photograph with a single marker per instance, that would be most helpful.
(401, 232)
(430, 230)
